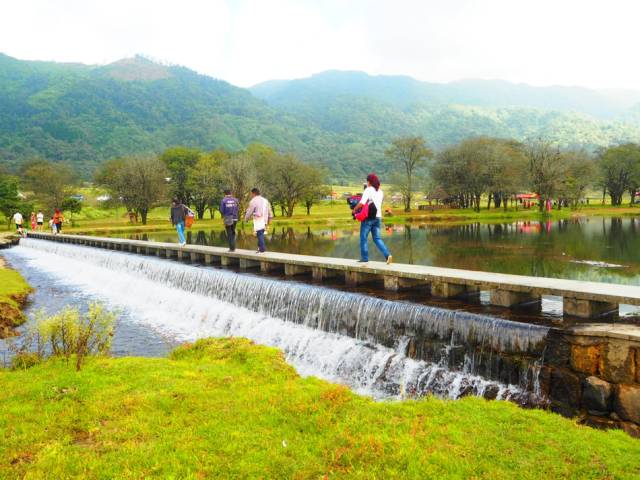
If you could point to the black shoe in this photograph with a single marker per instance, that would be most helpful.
(363, 261)
(232, 249)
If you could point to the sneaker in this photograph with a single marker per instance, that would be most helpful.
(183, 244)
(389, 259)
(363, 261)
(232, 249)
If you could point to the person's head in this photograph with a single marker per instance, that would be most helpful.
(373, 181)
(56, 210)
(175, 202)
(255, 192)
(39, 211)
(227, 191)
(33, 213)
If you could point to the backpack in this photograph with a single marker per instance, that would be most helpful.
(373, 212)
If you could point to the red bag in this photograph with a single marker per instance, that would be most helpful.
(363, 214)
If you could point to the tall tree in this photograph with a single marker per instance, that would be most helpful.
(139, 183)
(240, 176)
(546, 169)
(288, 180)
(49, 182)
(620, 171)
(410, 153)
(205, 183)
(580, 175)
(179, 162)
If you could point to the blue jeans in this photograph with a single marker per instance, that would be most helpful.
(180, 229)
(261, 246)
(372, 226)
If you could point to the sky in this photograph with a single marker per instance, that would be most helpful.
(591, 43)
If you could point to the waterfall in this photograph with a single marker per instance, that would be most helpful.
(379, 347)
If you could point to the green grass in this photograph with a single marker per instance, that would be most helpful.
(13, 292)
(230, 409)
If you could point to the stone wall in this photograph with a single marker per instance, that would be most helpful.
(593, 372)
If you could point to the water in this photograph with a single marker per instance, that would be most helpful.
(380, 348)
(596, 249)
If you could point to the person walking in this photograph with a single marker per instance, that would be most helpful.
(33, 221)
(373, 197)
(58, 220)
(178, 215)
(40, 220)
(17, 219)
(229, 207)
(260, 210)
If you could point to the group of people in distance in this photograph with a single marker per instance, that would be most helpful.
(259, 210)
(37, 222)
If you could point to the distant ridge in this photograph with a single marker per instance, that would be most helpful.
(84, 114)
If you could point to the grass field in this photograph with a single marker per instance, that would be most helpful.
(13, 292)
(230, 409)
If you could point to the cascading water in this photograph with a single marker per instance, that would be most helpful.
(378, 347)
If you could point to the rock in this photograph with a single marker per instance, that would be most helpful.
(600, 423)
(596, 395)
(565, 387)
(586, 358)
(491, 392)
(627, 402)
(631, 428)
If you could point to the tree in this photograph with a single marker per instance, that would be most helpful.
(546, 169)
(10, 202)
(71, 205)
(580, 173)
(288, 180)
(50, 182)
(239, 175)
(620, 171)
(179, 162)
(205, 183)
(411, 153)
(139, 183)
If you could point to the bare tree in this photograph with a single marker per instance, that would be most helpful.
(411, 153)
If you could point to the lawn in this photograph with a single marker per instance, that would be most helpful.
(231, 409)
(13, 293)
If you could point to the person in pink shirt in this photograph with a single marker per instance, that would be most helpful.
(260, 210)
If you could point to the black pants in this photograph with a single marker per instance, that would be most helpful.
(231, 235)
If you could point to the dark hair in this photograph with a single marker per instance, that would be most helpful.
(372, 178)
(255, 190)
(227, 191)
(175, 200)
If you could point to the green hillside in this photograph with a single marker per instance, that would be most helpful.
(85, 114)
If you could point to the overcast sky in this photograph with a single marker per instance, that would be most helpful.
(541, 42)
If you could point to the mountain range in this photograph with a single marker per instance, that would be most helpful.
(342, 120)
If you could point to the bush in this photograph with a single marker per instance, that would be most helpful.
(66, 334)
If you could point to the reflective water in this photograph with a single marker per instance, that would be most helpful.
(597, 248)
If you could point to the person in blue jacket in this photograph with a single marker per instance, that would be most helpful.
(229, 207)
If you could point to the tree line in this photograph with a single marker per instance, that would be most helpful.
(498, 169)
(198, 179)
(476, 169)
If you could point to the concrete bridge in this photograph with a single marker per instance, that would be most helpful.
(580, 299)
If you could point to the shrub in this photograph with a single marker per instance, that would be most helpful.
(66, 334)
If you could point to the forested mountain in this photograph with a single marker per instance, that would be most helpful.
(343, 120)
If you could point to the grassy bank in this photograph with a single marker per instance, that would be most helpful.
(230, 409)
(13, 293)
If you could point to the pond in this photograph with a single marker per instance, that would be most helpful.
(596, 249)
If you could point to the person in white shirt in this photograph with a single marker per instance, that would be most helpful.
(17, 219)
(260, 210)
(40, 219)
(373, 196)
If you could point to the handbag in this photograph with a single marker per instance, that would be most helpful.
(363, 214)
